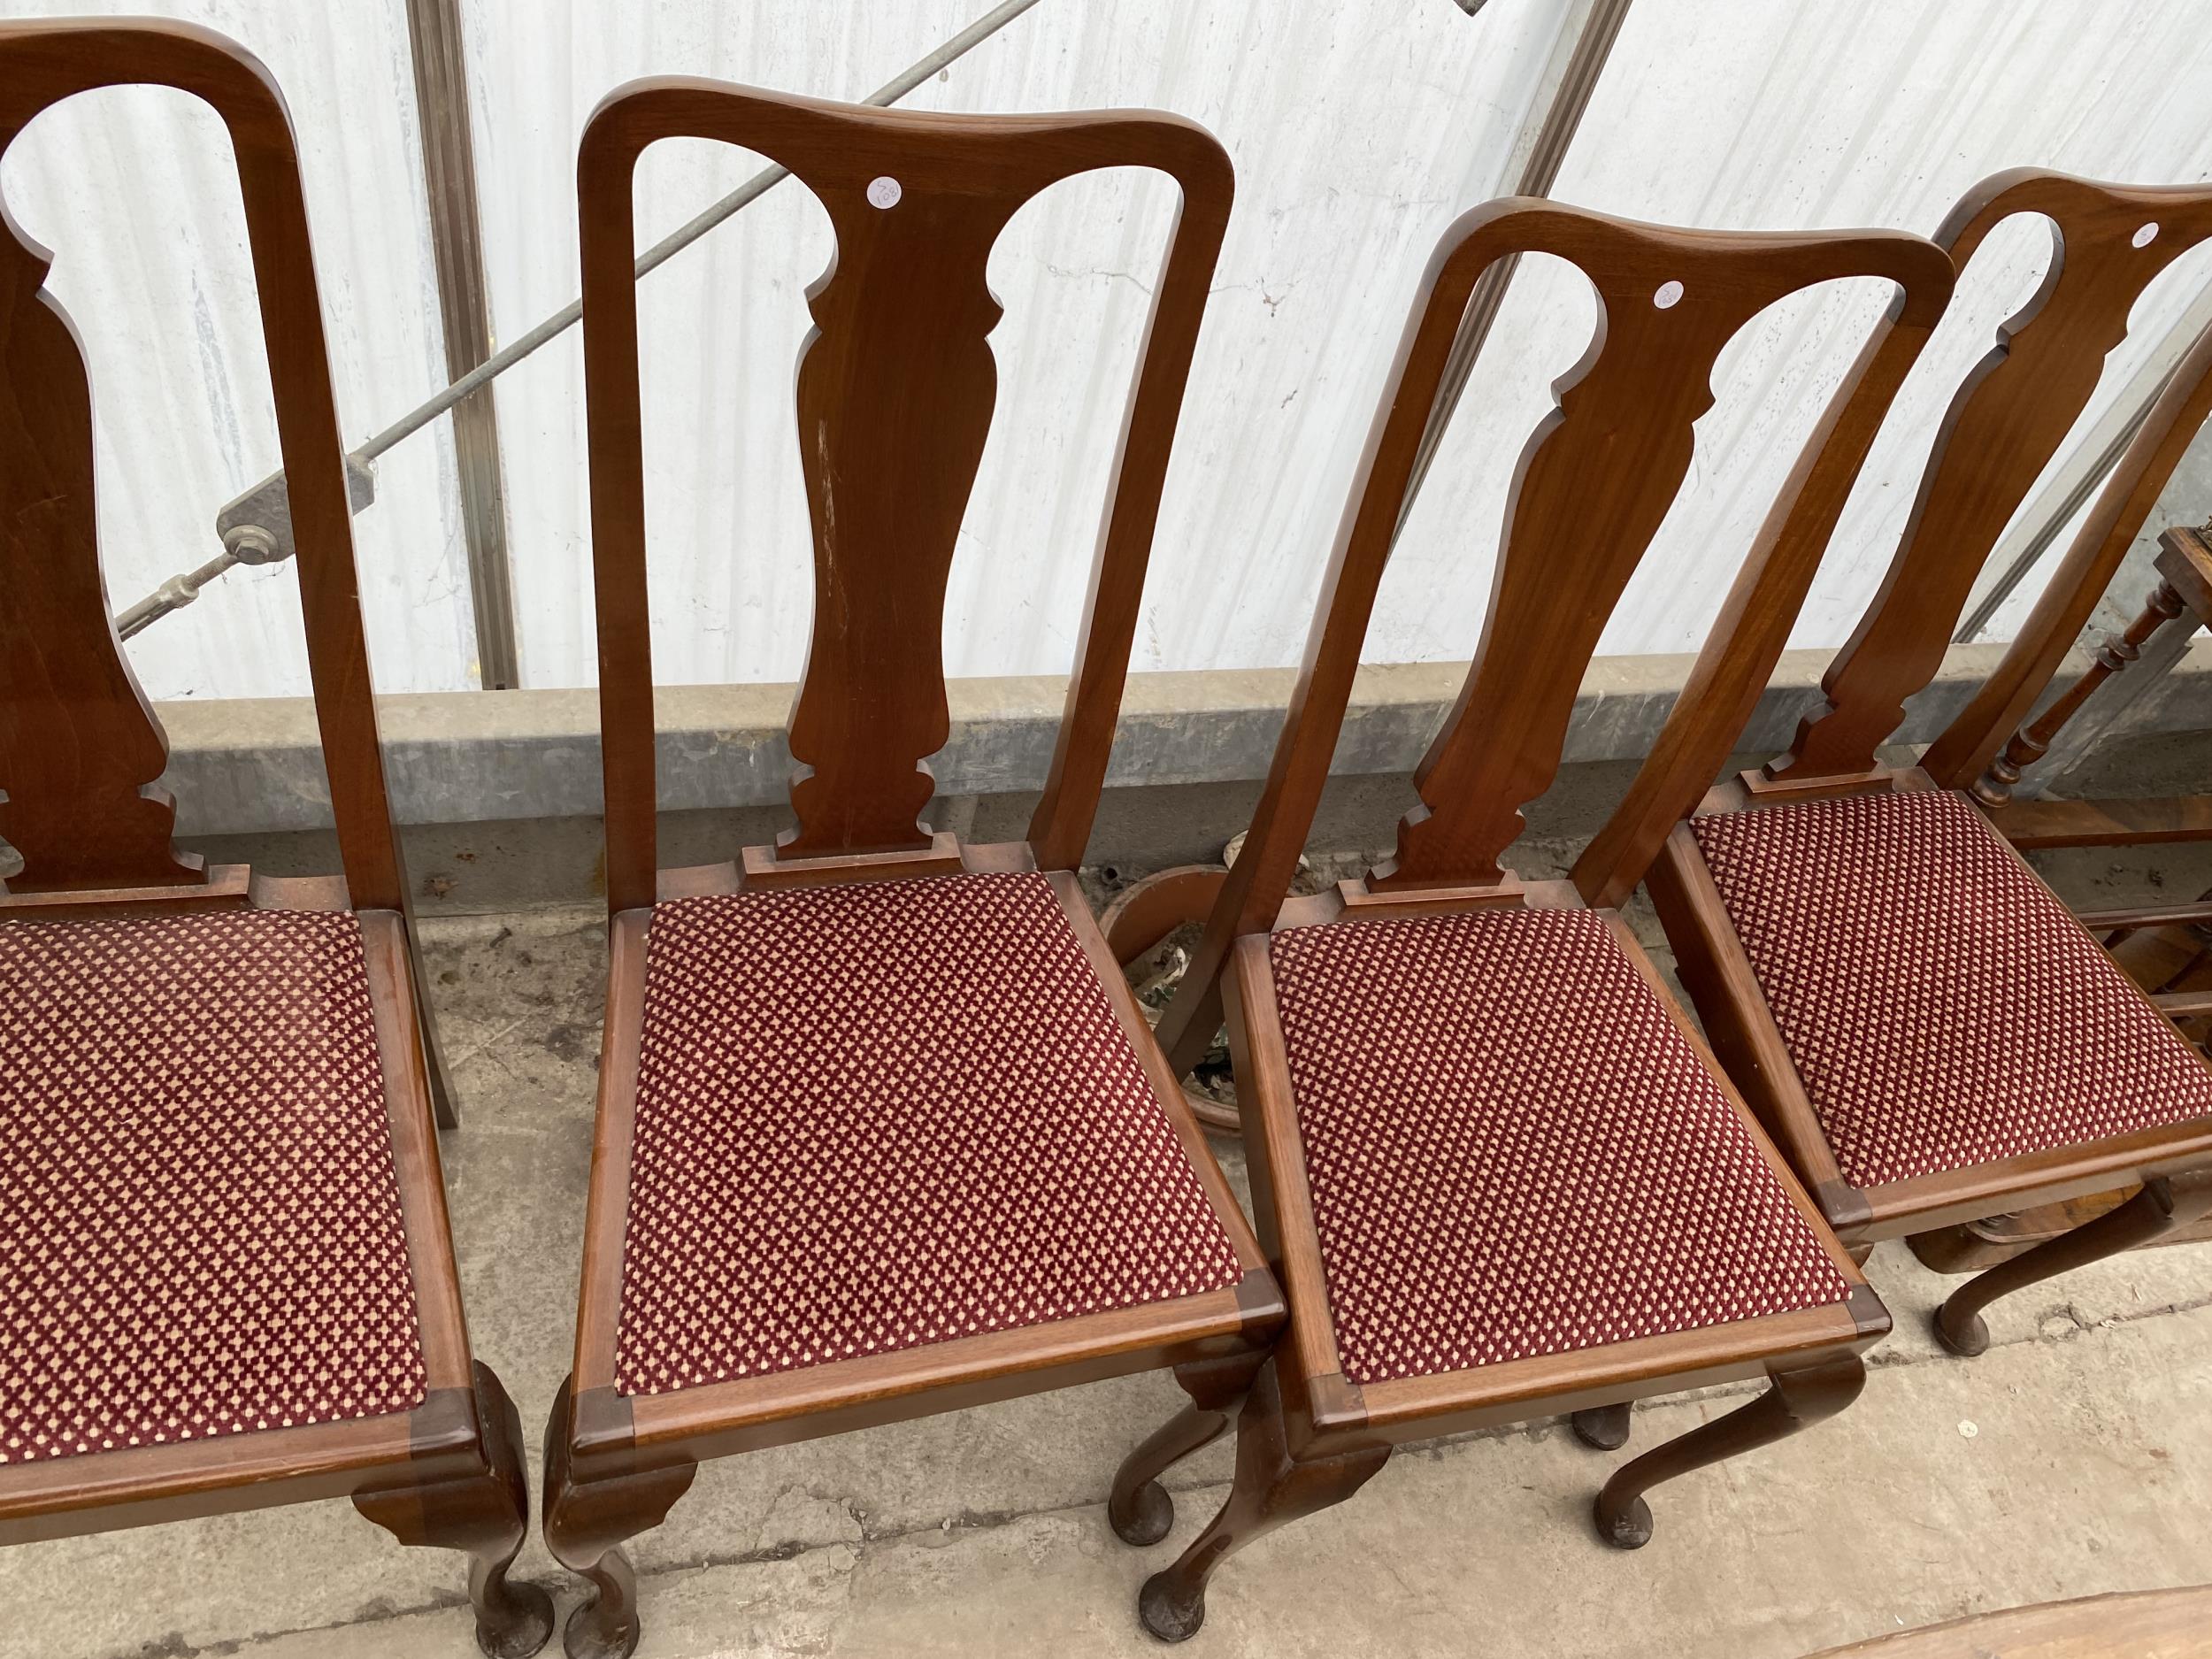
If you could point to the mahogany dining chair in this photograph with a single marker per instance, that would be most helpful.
(1920, 1021)
(882, 1131)
(1498, 1171)
(229, 1282)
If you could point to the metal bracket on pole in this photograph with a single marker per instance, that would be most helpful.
(255, 528)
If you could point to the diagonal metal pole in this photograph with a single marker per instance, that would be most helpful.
(248, 535)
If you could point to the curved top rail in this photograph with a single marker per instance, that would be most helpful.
(2003, 425)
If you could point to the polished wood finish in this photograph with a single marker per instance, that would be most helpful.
(2142, 1624)
(485, 1514)
(585, 1526)
(1971, 1246)
(2162, 1207)
(894, 396)
(2037, 823)
(2003, 425)
(2006, 422)
(1139, 1508)
(78, 752)
(1612, 456)
(1144, 913)
(1273, 1487)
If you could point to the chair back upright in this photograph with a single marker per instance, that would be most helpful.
(2003, 426)
(896, 390)
(80, 749)
(2004, 423)
(1592, 486)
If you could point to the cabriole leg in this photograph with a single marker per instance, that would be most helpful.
(1797, 1399)
(1139, 1509)
(2163, 1204)
(1272, 1488)
(485, 1515)
(585, 1527)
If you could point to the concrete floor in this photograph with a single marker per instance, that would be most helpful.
(2074, 1458)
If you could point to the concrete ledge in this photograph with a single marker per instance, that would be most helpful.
(255, 766)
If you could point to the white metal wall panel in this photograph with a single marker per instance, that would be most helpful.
(1359, 132)
(1360, 128)
(1356, 131)
(136, 191)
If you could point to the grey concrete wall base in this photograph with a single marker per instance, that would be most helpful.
(250, 767)
(500, 790)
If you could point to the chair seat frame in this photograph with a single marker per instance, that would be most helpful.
(1331, 1413)
(617, 1433)
(1613, 455)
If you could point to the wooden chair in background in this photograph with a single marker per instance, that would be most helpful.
(230, 1283)
(1924, 1028)
(1494, 1166)
(2164, 947)
(882, 1131)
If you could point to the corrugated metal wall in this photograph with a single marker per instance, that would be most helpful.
(1360, 128)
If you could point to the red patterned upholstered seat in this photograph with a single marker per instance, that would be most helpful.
(200, 1227)
(876, 1116)
(1513, 1150)
(1942, 1006)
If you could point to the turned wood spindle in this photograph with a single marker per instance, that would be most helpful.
(2032, 741)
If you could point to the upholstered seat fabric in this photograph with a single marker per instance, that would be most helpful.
(200, 1226)
(1942, 1005)
(883, 1115)
(1514, 1151)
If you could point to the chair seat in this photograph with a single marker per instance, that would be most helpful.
(1943, 1007)
(200, 1224)
(876, 1116)
(1514, 1150)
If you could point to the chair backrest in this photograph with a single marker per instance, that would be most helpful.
(81, 750)
(2004, 423)
(896, 389)
(1590, 490)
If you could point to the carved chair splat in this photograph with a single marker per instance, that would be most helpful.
(302, 1110)
(1382, 1030)
(863, 936)
(1827, 878)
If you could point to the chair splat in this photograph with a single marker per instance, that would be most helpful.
(80, 749)
(1593, 485)
(896, 390)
